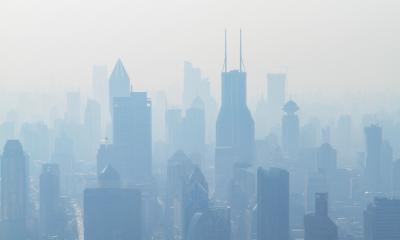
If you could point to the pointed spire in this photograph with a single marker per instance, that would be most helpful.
(226, 57)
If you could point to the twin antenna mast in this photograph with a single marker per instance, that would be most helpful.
(241, 65)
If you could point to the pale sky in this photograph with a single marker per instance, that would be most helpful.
(326, 44)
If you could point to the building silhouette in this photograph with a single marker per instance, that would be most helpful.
(235, 125)
(196, 86)
(132, 141)
(195, 198)
(14, 191)
(318, 225)
(327, 159)
(119, 83)
(382, 219)
(49, 207)
(272, 204)
(290, 129)
(212, 224)
(373, 138)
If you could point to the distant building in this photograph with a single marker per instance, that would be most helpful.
(132, 139)
(382, 220)
(317, 182)
(73, 114)
(195, 199)
(290, 129)
(272, 204)
(119, 83)
(196, 86)
(50, 208)
(373, 138)
(318, 225)
(327, 159)
(235, 125)
(92, 124)
(104, 156)
(212, 224)
(14, 191)
(111, 212)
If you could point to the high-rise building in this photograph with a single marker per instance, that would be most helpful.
(73, 113)
(196, 86)
(14, 191)
(272, 204)
(104, 156)
(194, 128)
(326, 159)
(195, 198)
(132, 142)
(119, 83)
(290, 129)
(373, 137)
(113, 213)
(235, 125)
(318, 225)
(212, 224)
(50, 224)
(382, 219)
(316, 183)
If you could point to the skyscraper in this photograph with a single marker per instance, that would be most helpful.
(196, 86)
(318, 225)
(382, 219)
(119, 83)
(50, 223)
(195, 198)
(235, 125)
(326, 159)
(132, 141)
(373, 138)
(272, 204)
(290, 129)
(14, 191)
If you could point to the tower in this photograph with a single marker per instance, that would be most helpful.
(373, 139)
(290, 129)
(119, 83)
(14, 190)
(272, 204)
(235, 125)
(195, 198)
(50, 200)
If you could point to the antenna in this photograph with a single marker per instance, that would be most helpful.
(241, 65)
(226, 58)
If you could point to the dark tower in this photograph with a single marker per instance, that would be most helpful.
(50, 200)
(119, 83)
(235, 125)
(14, 191)
(272, 204)
(290, 129)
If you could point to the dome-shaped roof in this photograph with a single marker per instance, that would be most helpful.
(290, 107)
